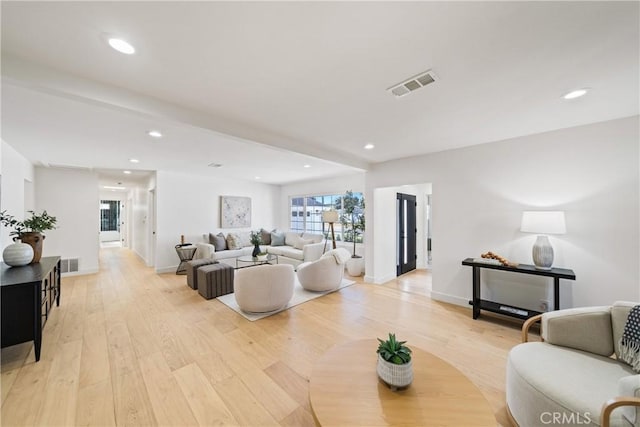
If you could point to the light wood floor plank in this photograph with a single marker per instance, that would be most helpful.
(128, 346)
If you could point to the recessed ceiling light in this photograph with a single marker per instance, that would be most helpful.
(369, 147)
(121, 46)
(214, 165)
(155, 133)
(134, 160)
(576, 93)
(127, 172)
(306, 166)
(257, 177)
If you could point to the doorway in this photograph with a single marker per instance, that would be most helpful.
(110, 223)
(406, 233)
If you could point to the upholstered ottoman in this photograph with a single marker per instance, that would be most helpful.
(192, 267)
(215, 280)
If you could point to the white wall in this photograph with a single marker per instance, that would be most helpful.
(16, 190)
(72, 197)
(590, 172)
(190, 206)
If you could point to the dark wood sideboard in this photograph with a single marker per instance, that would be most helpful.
(28, 294)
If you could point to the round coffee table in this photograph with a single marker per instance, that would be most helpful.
(345, 390)
(249, 261)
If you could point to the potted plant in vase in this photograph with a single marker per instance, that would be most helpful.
(353, 225)
(394, 363)
(30, 230)
(256, 240)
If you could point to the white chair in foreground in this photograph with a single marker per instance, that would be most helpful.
(324, 274)
(264, 288)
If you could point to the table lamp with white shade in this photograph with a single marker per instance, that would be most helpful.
(543, 223)
(330, 217)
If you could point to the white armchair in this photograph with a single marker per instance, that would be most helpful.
(571, 374)
(324, 274)
(264, 288)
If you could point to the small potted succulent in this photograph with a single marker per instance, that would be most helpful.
(256, 239)
(394, 363)
(30, 230)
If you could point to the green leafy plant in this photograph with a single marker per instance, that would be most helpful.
(352, 218)
(36, 224)
(394, 351)
(256, 238)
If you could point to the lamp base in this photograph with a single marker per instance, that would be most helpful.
(542, 253)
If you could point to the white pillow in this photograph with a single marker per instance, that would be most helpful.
(300, 243)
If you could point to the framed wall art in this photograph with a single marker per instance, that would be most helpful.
(235, 212)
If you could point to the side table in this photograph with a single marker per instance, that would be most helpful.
(185, 253)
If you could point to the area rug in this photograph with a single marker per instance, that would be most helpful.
(300, 295)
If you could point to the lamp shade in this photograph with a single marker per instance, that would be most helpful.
(330, 216)
(543, 222)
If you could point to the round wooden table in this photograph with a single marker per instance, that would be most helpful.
(345, 391)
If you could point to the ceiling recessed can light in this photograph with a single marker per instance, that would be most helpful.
(258, 177)
(121, 46)
(134, 160)
(369, 147)
(127, 172)
(306, 166)
(154, 133)
(576, 93)
(214, 165)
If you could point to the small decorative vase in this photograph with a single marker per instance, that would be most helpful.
(35, 240)
(256, 251)
(17, 254)
(395, 376)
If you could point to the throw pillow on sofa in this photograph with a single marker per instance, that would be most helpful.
(233, 242)
(299, 243)
(277, 238)
(265, 236)
(218, 241)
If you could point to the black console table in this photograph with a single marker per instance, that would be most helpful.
(508, 310)
(27, 296)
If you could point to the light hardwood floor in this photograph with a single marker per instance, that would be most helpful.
(131, 347)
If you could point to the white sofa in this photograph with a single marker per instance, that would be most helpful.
(570, 377)
(292, 252)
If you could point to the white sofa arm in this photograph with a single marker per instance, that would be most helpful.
(204, 250)
(588, 329)
(312, 251)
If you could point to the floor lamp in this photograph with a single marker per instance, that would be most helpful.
(330, 217)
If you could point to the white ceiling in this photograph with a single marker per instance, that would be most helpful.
(307, 77)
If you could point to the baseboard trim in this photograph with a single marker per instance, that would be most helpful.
(166, 269)
(80, 273)
(451, 299)
(378, 280)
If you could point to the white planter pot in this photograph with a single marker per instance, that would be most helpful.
(355, 266)
(395, 376)
(17, 254)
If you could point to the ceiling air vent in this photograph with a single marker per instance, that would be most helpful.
(414, 83)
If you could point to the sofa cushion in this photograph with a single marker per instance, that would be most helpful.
(630, 386)
(286, 251)
(544, 378)
(230, 253)
(218, 241)
(300, 243)
(233, 242)
(265, 236)
(290, 237)
(314, 237)
(277, 238)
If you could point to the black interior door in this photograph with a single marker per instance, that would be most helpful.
(406, 233)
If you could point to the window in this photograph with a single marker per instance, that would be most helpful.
(109, 215)
(306, 214)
